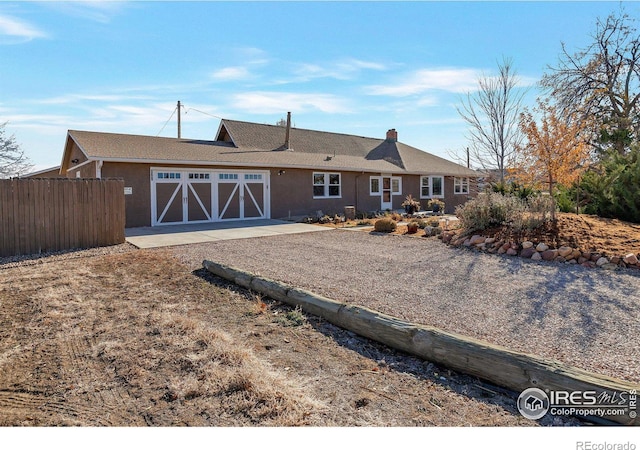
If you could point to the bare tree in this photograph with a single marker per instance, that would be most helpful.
(602, 82)
(492, 113)
(13, 161)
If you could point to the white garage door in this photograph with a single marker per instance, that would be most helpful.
(198, 196)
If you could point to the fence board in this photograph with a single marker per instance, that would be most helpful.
(42, 215)
(4, 212)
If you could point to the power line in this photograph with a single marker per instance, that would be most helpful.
(185, 111)
(202, 112)
(169, 119)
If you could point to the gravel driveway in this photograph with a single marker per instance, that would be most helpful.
(588, 318)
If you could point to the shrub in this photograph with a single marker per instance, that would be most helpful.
(292, 318)
(565, 199)
(485, 211)
(513, 188)
(433, 222)
(412, 227)
(385, 225)
(612, 189)
(421, 222)
(492, 209)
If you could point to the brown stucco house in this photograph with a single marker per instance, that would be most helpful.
(253, 171)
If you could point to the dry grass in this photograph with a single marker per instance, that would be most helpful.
(136, 339)
(104, 328)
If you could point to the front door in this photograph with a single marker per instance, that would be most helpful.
(386, 202)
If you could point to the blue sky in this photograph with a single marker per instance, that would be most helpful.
(350, 67)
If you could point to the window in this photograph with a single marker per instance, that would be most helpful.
(228, 176)
(168, 175)
(374, 186)
(396, 187)
(198, 176)
(461, 185)
(431, 186)
(326, 185)
(385, 186)
(253, 176)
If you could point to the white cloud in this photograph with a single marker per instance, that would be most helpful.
(101, 11)
(266, 102)
(340, 70)
(353, 64)
(79, 98)
(231, 73)
(425, 80)
(19, 30)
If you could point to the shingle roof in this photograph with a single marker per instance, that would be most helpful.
(258, 145)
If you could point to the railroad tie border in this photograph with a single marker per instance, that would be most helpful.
(499, 365)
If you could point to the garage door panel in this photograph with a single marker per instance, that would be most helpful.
(229, 200)
(168, 202)
(254, 200)
(199, 202)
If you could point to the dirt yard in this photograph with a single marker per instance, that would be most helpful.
(125, 337)
(134, 338)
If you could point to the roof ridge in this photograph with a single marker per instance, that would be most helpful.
(304, 129)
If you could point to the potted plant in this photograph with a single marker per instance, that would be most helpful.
(436, 205)
(410, 205)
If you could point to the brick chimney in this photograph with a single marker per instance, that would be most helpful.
(287, 143)
(392, 135)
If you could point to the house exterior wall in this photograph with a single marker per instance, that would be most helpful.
(53, 173)
(451, 199)
(291, 192)
(138, 178)
(76, 153)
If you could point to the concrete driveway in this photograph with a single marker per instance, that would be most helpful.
(169, 235)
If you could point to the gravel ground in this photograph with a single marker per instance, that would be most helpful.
(583, 317)
(7, 262)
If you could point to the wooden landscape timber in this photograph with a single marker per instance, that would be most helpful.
(510, 369)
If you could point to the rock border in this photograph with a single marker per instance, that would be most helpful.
(540, 251)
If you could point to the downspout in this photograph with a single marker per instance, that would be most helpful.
(357, 193)
(99, 168)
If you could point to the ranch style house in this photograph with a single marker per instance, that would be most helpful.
(256, 171)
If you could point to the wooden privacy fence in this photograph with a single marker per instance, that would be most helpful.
(47, 214)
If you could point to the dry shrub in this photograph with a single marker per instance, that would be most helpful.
(493, 209)
(385, 225)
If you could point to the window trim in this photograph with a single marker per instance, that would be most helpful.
(392, 179)
(377, 193)
(431, 178)
(326, 184)
(461, 182)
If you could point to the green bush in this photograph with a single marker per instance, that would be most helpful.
(565, 199)
(513, 188)
(385, 225)
(612, 188)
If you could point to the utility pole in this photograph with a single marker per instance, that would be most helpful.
(179, 124)
(468, 159)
